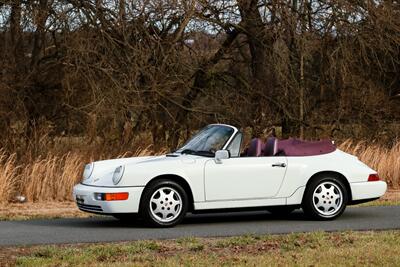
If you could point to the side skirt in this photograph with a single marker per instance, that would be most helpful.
(294, 199)
(240, 209)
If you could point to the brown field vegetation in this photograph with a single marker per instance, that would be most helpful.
(83, 80)
(385, 160)
(52, 176)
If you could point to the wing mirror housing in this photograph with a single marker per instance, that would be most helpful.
(220, 155)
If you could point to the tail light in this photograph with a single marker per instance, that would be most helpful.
(373, 177)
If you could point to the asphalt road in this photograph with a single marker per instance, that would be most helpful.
(107, 229)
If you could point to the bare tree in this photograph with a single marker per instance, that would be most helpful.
(113, 70)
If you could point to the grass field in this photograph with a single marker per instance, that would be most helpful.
(308, 249)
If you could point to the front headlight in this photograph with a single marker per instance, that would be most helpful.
(118, 173)
(87, 172)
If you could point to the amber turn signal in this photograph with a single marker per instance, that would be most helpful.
(115, 196)
(111, 196)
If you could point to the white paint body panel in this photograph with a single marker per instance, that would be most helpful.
(131, 205)
(243, 178)
(368, 189)
(233, 183)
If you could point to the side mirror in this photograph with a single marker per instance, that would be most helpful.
(220, 155)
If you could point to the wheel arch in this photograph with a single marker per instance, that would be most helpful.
(335, 173)
(179, 180)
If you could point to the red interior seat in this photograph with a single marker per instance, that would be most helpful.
(271, 147)
(256, 148)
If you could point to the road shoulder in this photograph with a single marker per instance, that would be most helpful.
(68, 209)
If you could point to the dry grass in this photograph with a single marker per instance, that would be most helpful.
(41, 210)
(47, 178)
(385, 160)
(51, 177)
(8, 176)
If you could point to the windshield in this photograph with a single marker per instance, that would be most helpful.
(208, 140)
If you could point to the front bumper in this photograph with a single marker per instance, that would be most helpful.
(368, 190)
(84, 198)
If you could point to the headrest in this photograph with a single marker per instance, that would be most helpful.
(255, 148)
(271, 147)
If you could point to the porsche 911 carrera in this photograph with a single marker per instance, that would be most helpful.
(212, 171)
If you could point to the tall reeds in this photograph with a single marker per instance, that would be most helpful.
(9, 176)
(47, 178)
(385, 160)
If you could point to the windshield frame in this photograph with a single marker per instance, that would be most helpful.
(226, 144)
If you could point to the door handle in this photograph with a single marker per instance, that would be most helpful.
(283, 165)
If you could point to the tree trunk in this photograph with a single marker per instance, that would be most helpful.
(39, 36)
(254, 29)
(16, 39)
(122, 13)
(100, 13)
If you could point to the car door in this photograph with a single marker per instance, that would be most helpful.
(244, 178)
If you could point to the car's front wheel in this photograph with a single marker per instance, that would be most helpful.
(164, 203)
(325, 198)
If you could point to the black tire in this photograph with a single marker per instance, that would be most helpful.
(146, 209)
(281, 210)
(310, 201)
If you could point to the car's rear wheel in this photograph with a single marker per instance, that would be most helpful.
(164, 203)
(325, 198)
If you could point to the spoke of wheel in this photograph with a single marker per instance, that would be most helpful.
(170, 195)
(320, 189)
(174, 205)
(318, 195)
(323, 206)
(163, 215)
(335, 197)
(162, 194)
(157, 209)
(325, 190)
(332, 191)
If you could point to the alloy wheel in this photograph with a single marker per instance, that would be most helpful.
(327, 198)
(165, 204)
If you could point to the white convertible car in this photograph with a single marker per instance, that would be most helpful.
(210, 173)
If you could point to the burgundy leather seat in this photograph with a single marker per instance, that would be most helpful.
(256, 148)
(295, 147)
(271, 147)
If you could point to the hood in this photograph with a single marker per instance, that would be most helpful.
(103, 170)
(106, 167)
